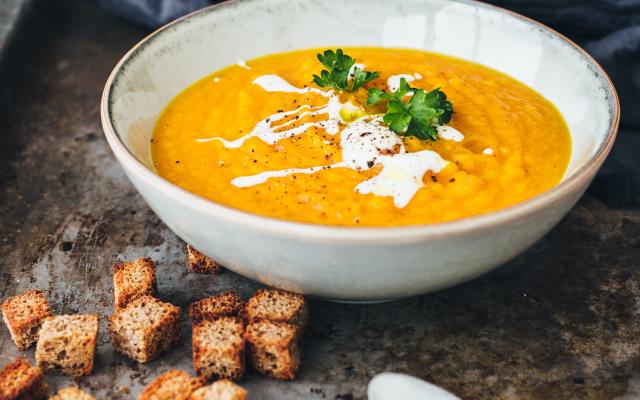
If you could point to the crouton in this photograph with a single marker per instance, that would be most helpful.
(172, 385)
(132, 280)
(273, 348)
(23, 315)
(19, 380)
(221, 390)
(226, 304)
(67, 344)
(279, 306)
(198, 262)
(218, 348)
(145, 328)
(71, 393)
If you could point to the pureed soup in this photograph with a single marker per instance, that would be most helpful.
(379, 137)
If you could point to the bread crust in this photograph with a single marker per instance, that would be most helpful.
(19, 380)
(23, 314)
(200, 263)
(223, 389)
(273, 348)
(219, 348)
(278, 305)
(174, 384)
(145, 328)
(67, 344)
(225, 304)
(71, 393)
(132, 279)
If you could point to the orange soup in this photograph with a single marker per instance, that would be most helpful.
(262, 137)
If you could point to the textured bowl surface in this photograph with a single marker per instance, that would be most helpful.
(357, 264)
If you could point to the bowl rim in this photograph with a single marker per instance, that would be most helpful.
(473, 224)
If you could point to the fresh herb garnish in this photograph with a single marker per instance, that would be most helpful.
(419, 116)
(338, 73)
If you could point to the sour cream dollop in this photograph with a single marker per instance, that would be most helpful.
(393, 82)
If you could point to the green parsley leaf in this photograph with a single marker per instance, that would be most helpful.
(337, 74)
(419, 116)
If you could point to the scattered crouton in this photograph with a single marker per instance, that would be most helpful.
(226, 304)
(273, 348)
(221, 390)
(278, 305)
(133, 279)
(19, 380)
(71, 393)
(67, 344)
(145, 328)
(218, 348)
(23, 315)
(172, 385)
(198, 262)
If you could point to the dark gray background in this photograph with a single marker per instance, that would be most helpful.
(559, 322)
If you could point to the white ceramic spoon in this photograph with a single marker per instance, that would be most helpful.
(393, 386)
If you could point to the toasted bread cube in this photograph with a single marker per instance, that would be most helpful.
(19, 380)
(67, 344)
(133, 279)
(71, 393)
(172, 385)
(278, 305)
(221, 390)
(218, 348)
(145, 328)
(273, 348)
(198, 262)
(226, 304)
(23, 315)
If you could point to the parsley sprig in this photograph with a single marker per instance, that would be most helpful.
(338, 70)
(419, 116)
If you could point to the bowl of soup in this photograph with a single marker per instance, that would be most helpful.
(359, 151)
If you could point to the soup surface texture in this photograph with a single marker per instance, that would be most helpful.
(261, 137)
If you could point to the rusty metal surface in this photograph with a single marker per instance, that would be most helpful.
(559, 322)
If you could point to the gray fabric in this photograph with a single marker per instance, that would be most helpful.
(152, 13)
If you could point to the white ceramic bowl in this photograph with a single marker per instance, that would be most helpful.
(357, 264)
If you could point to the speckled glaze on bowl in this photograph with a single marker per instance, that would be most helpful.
(357, 264)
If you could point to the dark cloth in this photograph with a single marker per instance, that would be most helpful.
(153, 13)
(608, 29)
